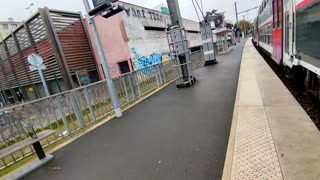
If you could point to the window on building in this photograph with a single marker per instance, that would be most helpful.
(13, 26)
(5, 26)
(151, 28)
(124, 67)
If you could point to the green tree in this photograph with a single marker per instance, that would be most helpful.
(245, 26)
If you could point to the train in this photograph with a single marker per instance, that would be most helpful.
(288, 31)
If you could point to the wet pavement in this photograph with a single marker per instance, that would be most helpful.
(176, 134)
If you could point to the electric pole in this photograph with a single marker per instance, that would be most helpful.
(238, 26)
(110, 84)
(179, 50)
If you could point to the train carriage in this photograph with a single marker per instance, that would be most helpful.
(289, 32)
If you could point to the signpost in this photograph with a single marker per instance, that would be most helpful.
(37, 64)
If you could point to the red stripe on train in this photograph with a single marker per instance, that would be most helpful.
(304, 3)
(266, 24)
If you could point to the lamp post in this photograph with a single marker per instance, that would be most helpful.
(110, 85)
(29, 7)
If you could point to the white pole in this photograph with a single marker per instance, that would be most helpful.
(44, 83)
(110, 85)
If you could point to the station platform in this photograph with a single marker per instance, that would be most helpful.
(175, 134)
(271, 136)
(234, 123)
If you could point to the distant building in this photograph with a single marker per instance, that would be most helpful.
(162, 8)
(6, 27)
(60, 38)
(137, 35)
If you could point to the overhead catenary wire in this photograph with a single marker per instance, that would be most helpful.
(194, 2)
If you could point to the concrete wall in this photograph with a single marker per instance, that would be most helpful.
(147, 42)
(4, 32)
(125, 38)
(115, 43)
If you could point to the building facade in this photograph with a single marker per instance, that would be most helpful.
(6, 27)
(137, 37)
(60, 38)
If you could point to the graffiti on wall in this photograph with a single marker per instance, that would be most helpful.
(142, 62)
(143, 13)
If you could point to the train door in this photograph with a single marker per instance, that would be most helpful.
(288, 29)
(277, 30)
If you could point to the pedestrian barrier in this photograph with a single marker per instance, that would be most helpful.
(69, 112)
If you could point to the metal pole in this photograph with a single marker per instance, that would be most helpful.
(44, 83)
(236, 10)
(111, 87)
(244, 26)
(45, 87)
(175, 14)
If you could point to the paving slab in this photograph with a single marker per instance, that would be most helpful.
(173, 135)
(272, 137)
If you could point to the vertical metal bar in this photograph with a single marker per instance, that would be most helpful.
(156, 75)
(133, 92)
(159, 74)
(163, 73)
(124, 87)
(63, 116)
(98, 105)
(53, 111)
(237, 22)
(104, 92)
(137, 82)
(94, 100)
(76, 108)
(4, 162)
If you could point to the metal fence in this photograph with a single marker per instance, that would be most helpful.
(71, 111)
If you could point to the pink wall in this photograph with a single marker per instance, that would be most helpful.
(115, 43)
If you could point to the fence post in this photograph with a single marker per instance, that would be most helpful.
(86, 95)
(163, 73)
(123, 82)
(159, 74)
(137, 82)
(133, 92)
(63, 116)
(76, 109)
(156, 74)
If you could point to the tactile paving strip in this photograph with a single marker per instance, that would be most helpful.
(255, 156)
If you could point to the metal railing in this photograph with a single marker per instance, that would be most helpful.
(73, 110)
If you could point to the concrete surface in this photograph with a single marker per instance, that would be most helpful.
(272, 124)
(27, 169)
(173, 135)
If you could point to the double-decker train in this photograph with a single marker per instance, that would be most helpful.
(289, 32)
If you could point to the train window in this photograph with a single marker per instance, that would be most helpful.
(278, 13)
(274, 13)
(307, 37)
(287, 34)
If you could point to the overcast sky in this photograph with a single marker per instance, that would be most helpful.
(17, 8)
